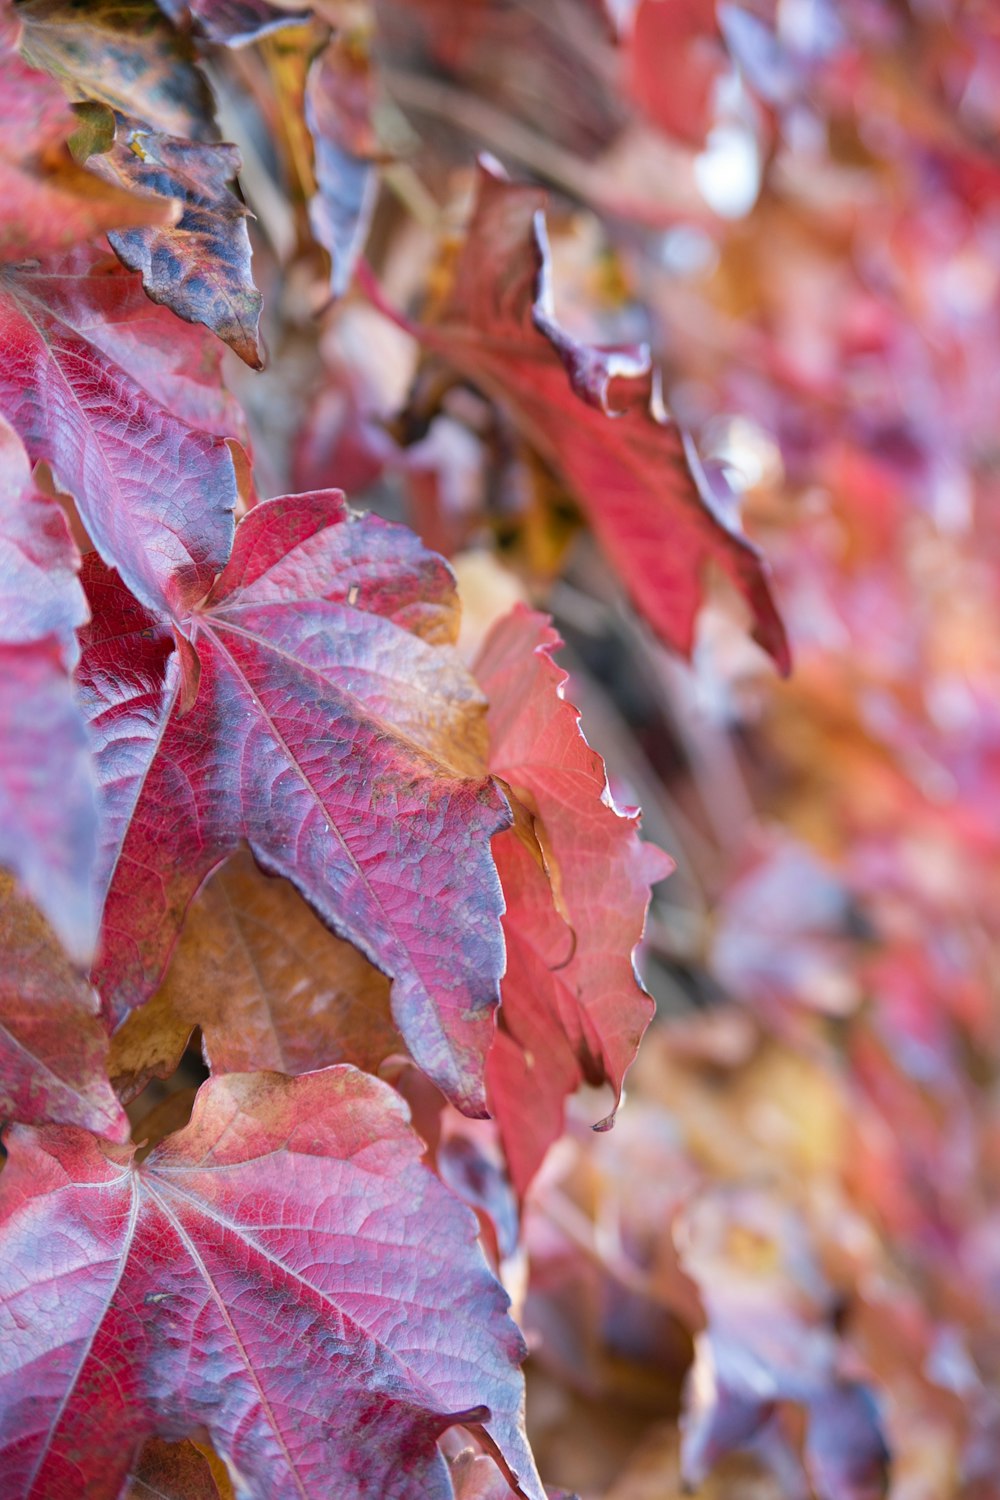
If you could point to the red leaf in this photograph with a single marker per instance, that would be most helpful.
(675, 59)
(283, 1273)
(597, 416)
(156, 496)
(48, 818)
(334, 731)
(572, 1006)
(53, 1046)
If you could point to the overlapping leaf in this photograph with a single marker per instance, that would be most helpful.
(161, 142)
(48, 202)
(53, 1045)
(338, 107)
(125, 54)
(283, 1273)
(573, 1008)
(171, 1471)
(269, 986)
(200, 266)
(314, 710)
(48, 817)
(596, 415)
(156, 495)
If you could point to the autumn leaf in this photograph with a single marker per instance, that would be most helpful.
(156, 495)
(573, 1008)
(48, 202)
(284, 1274)
(269, 986)
(53, 1045)
(171, 1471)
(122, 53)
(48, 814)
(597, 416)
(161, 142)
(338, 107)
(675, 59)
(314, 709)
(199, 267)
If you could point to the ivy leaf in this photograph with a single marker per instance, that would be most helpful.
(53, 1045)
(130, 63)
(156, 495)
(573, 1008)
(338, 108)
(48, 202)
(199, 266)
(284, 1274)
(597, 416)
(269, 986)
(40, 592)
(171, 1471)
(315, 709)
(122, 53)
(48, 815)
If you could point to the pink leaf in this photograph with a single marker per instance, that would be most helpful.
(283, 1273)
(573, 1009)
(317, 712)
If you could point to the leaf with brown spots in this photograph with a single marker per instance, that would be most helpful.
(47, 200)
(199, 267)
(125, 54)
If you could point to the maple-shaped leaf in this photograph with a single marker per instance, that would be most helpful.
(156, 495)
(49, 202)
(597, 416)
(125, 54)
(48, 815)
(573, 1008)
(269, 986)
(283, 1274)
(53, 1044)
(316, 711)
(199, 266)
